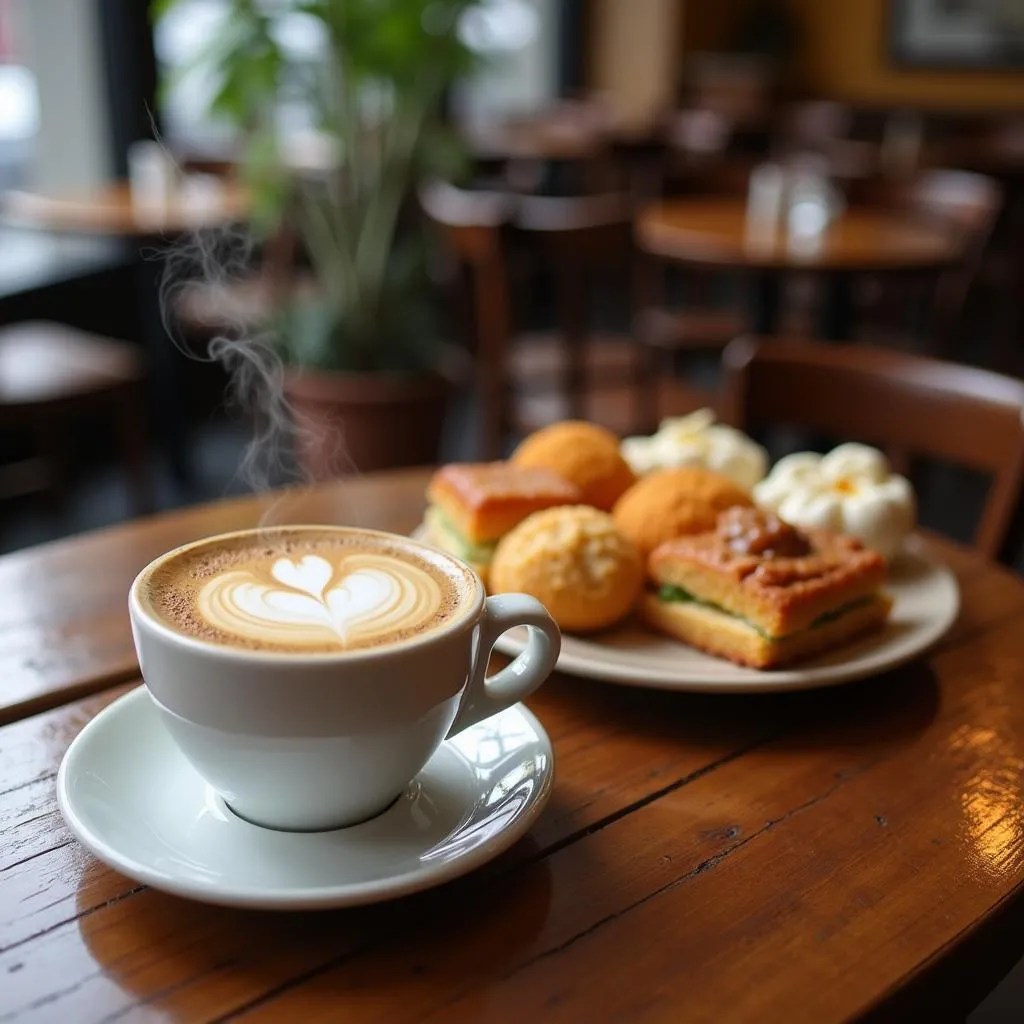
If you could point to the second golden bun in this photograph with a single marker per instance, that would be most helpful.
(575, 562)
(582, 453)
(674, 503)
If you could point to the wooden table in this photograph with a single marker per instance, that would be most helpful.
(711, 232)
(815, 856)
(109, 211)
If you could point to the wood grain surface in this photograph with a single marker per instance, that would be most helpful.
(714, 232)
(64, 626)
(819, 856)
(109, 211)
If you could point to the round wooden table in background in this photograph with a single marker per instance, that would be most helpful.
(110, 212)
(713, 232)
(815, 856)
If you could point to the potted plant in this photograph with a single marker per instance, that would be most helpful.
(363, 351)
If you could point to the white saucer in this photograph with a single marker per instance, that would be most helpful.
(135, 802)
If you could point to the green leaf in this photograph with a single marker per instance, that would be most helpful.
(442, 154)
(159, 8)
(377, 92)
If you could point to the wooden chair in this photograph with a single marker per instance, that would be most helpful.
(897, 401)
(700, 325)
(524, 380)
(473, 225)
(814, 124)
(698, 135)
(824, 128)
(578, 244)
(51, 376)
(960, 202)
(740, 87)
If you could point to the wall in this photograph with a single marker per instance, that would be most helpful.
(844, 53)
(634, 49)
(708, 24)
(63, 51)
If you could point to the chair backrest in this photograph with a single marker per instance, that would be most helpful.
(738, 86)
(922, 406)
(578, 239)
(574, 237)
(728, 178)
(473, 226)
(697, 133)
(815, 122)
(965, 202)
(594, 230)
(1008, 134)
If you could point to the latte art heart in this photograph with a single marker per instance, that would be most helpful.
(310, 601)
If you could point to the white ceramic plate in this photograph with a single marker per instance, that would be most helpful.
(130, 796)
(926, 604)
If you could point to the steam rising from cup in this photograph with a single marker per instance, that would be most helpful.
(213, 268)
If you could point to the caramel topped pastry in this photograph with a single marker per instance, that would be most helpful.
(761, 592)
(749, 531)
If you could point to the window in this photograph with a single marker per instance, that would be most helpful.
(180, 36)
(516, 38)
(19, 101)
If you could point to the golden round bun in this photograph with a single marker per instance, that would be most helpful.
(582, 453)
(574, 561)
(674, 503)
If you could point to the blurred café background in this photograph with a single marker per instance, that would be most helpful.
(246, 246)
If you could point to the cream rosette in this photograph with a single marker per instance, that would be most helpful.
(851, 490)
(697, 440)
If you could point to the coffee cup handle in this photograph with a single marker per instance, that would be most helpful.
(487, 695)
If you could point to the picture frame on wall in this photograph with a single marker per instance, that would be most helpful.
(952, 34)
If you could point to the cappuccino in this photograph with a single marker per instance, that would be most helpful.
(306, 590)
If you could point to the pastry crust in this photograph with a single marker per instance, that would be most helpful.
(675, 503)
(483, 501)
(778, 593)
(575, 562)
(583, 453)
(727, 637)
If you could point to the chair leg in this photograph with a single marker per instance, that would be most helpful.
(50, 441)
(131, 434)
(647, 373)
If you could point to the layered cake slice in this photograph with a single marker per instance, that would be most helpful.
(473, 505)
(759, 592)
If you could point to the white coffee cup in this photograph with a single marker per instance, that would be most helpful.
(310, 742)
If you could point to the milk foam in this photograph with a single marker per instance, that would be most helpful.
(313, 600)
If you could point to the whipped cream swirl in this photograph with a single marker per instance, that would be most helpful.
(697, 440)
(310, 602)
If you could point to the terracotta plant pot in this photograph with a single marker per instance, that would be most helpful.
(349, 422)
